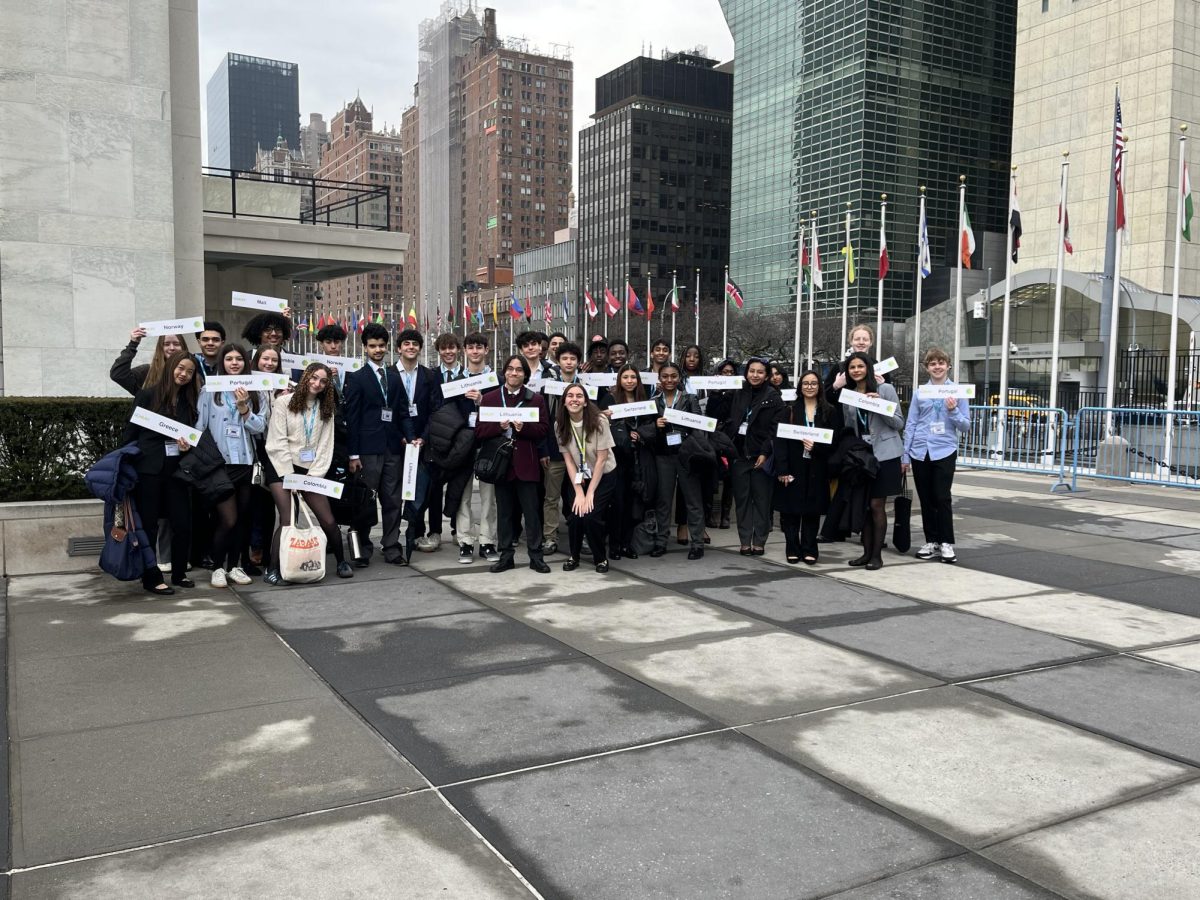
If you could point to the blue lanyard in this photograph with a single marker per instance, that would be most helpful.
(674, 401)
(382, 383)
(504, 399)
(309, 422)
(409, 383)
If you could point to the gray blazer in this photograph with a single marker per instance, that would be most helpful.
(885, 437)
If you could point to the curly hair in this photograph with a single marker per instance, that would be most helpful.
(562, 419)
(327, 398)
(254, 329)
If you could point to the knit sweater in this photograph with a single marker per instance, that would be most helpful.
(286, 438)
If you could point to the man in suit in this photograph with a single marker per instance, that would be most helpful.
(378, 423)
(422, 393)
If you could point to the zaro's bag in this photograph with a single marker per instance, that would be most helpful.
(301, 545)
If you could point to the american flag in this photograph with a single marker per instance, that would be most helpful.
(548, 312)
(1118, 167)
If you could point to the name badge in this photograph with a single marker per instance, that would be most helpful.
(308, 455)
(412, 411)
(385, 415)
(472, 419)
(743, 428)
(937, 428)
(674, 438)
(579, 478)
(233, 431)
(171, 448)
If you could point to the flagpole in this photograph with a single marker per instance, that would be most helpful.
(674, 303)
(799, 300)
(1172, 374)
(606, 315)
(1110, 392)
(958, 304)
(916, 368)
(626, 305)
(846, 280)
(725, 328)
(649, 315)
(696, 306)
(812, 288)
(1058, 286)
(879, 299)
(1004, 328)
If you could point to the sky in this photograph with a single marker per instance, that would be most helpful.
(370, 46)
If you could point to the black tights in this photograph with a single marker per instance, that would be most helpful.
(874, 529)
(233, 523)
(319, 504)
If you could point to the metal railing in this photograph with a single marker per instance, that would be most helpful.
(1018, 439)
(292, 198)
(1147, 446)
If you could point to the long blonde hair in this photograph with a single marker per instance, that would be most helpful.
(158, 362)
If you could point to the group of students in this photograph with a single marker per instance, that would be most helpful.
(621, 475)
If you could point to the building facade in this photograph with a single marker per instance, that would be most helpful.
(314, 138)
(251, 101)
(410, 199)
(654, 179)
(837, 104)
(544, 275)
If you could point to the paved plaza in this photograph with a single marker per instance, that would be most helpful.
(1021, 725)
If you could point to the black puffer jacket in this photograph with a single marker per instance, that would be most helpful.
(450, 440)
(203, 468)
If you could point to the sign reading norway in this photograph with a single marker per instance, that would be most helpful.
(315, 485)
(172, 326)
(164, 426)
(259, 302)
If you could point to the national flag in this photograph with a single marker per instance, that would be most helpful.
(312, 326)
(449, 313)
(649, 301)
(592, 311)
(1186, 199)
(379, 316)
(673, 299)
(495, 312)
(632, 301)
(439, 320)
(611, 304)
(547, 312)
(1014, 223)
(883, 256)
(734, 293)
(1118, 163)
(479, 316)
(566, 309)
(818, 279)
(354, 320)
(412, 317)
(467, 314)
(514, 307)
(528, 307)
(1065, 218)
(924, 263)
(848, 252)
(967, 239)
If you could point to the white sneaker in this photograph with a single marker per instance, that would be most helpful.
(948, 553)
(429, 543)
(218, 578)
(929, 551)
(237, 576)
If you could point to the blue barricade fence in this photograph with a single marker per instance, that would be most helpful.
(1018, 439)
(1149, 446)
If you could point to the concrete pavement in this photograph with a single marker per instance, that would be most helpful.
(1021, 725)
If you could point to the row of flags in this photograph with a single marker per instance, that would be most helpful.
(352, 321)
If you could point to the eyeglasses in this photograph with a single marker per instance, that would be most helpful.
(217, 340)
(516, 369)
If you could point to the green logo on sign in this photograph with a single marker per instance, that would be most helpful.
(193, 436)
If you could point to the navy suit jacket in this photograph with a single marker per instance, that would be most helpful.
(427, 395)
(368, 434)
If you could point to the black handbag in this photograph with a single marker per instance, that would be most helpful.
(902, 518)
(494, 459)
(356, 508)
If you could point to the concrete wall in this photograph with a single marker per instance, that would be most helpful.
(33, 536)
(94, 172)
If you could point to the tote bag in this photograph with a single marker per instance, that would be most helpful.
(301, 546)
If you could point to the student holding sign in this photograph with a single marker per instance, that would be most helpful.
(882, 432)
(629, 496)
(753, 413)
(300, 441)
(173, 395)
(268, 329)
(586, 444)
(132, 377)
(931, 448)
(802, 470)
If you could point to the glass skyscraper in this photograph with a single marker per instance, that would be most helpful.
(845, 100)
(251, 102)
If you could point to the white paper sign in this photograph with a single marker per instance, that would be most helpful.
(312, 483)
(690, 420)
(871, 404)
(640, 408)
(649, 377)
(471, 383)
(509, 414)
(715, 382)
(302, 361)
(599, 379)
(164, 426)
(251, 381)
(805, 433)
(258, 301)
(408, 484)
(172, 326)
(788, 394)
(887, 365)
(558, 388)
(942, 391)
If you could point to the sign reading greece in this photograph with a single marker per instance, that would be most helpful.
(164, 426)
(805, 433)
(558, 388)
(172, 326)
(640, 408)
(408, 482)
(887, 365)
(945, 391)
(313, 483)
(259, 302)
(304, 360)
(871, 404)
(471, 383)
(689, 420)
(715, 382)
(508, 414)
(251, 381)
(599, 379)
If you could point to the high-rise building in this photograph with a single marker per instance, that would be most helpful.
(843, 103)
(314, 138)
(283, 164)
(359, 154)
(654, 176)
(494, 137)
(410, 192)
(251, 101)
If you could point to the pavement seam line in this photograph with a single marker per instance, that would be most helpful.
(457, 813)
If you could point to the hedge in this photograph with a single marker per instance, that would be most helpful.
(48, 443)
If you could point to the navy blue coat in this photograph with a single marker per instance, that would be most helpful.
(367, 433)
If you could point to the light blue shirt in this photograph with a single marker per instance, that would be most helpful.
(932, 430)
(231, 432)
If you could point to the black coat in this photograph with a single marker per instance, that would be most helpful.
(760, 410)
(654, 438)
(808, 494)
(152, 444)
(203, 467)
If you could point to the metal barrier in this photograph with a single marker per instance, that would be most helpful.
(1018, 439)
(1147, 446)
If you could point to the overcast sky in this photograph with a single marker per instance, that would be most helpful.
(370, 46)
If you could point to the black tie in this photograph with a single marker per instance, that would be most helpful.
(383, 382)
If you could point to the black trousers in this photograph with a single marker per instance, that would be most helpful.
(619, 517)
(670, 474)
(753, 490)
(163, 496)
(800, 534)
(592, 526)
(933, 479)
(523, 499)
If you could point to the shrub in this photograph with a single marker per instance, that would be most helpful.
(48, 443)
